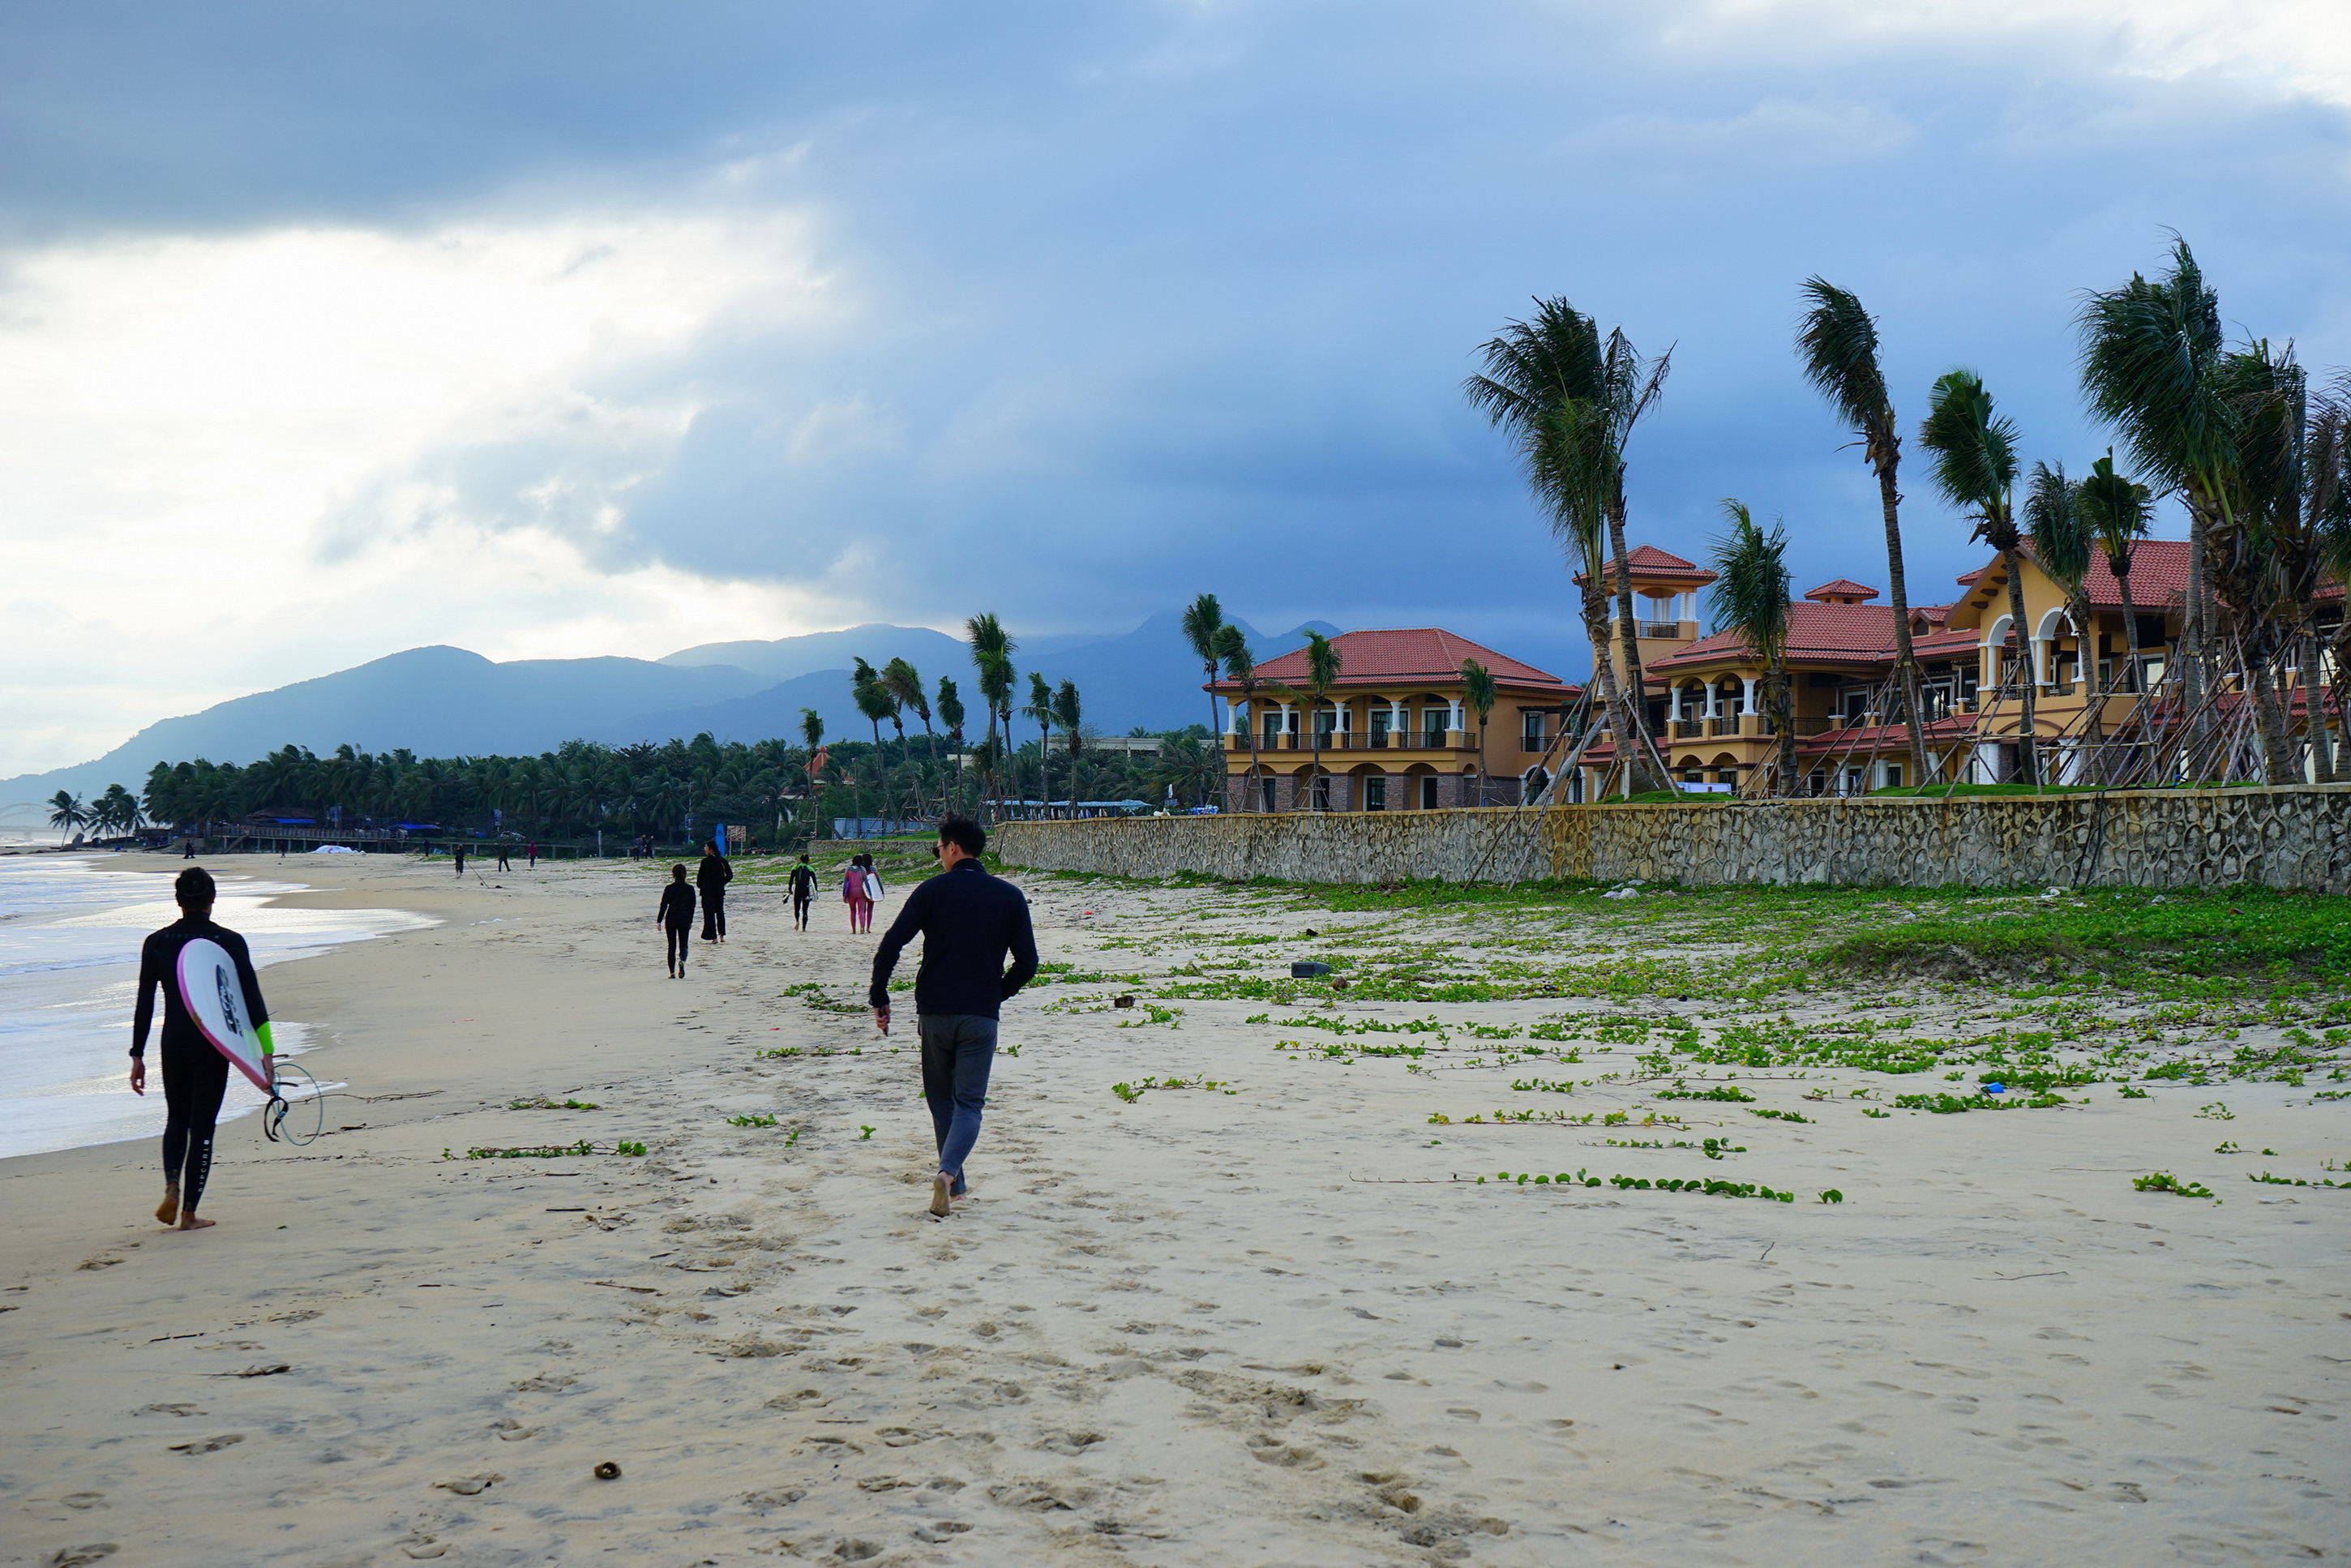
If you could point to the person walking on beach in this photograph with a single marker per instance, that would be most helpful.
(196, 1075)
(803, 893)
(675, 918)
(856, 891)
(502, 856)
(534, 855)
(969, 923)
(712, 876)
(460, 853)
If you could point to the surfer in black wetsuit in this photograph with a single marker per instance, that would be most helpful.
(196, 1075)
(803, 892)
(712, 876)
(675, 918)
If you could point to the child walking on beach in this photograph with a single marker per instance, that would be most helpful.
(675, 918)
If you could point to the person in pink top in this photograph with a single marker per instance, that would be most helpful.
(856, 891)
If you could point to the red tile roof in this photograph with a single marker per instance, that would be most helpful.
(1843, 588)
(2159, 576)
(1935, 615)
(1650, 562)
(1846, 633)
(1417, 654)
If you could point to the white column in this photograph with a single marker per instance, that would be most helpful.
(1674, 699)
(1713, 700)
(1455, 721)
(1747, 698)
(2041, 661)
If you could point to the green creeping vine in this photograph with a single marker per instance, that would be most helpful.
(1712, 1148)
(1708, 1185)
(1952, 1104)
(2296, 1181)
(751, 1121)
(1130, 1093)
(541, 1103)
(1777, 1115)
(548, 1152)
(1720, 1091)
(2164, 1181)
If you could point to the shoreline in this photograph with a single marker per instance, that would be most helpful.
(1195, 1327)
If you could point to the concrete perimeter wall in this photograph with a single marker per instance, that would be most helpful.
(2294, 836)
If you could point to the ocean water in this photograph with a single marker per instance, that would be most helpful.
(70, 928)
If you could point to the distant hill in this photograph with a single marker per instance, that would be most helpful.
(447, 702)
(1148, 677)
(437, 702)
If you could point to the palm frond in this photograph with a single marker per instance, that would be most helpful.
(1838, 344)
(2061, 537)
(1203, 618)
(1974, 448)
(1749, 594)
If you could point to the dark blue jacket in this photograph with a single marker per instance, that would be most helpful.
(969, 921)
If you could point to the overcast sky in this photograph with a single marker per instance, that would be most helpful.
(551, 329)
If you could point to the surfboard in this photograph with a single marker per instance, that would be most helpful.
(215, 998)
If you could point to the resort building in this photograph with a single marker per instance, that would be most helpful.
(1397, 731)
(1706, 701)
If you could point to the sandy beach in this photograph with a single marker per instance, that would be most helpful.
(1269, 1316)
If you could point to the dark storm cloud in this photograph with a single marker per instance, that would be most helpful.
(1155, 299)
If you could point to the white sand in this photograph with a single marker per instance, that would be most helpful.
(1256, 1328)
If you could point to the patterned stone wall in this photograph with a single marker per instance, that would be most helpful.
(2296, 836)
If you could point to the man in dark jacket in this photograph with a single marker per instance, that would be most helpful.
(712, 876)
(969, 922)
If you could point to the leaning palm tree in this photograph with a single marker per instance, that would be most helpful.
(991, 657)
(1478, 690)
(1571, 398)
(1040, 708)
(812, 736)
(1204, 622)
(1241, 668)
(900, 679)
(1838, 342)
(949, 703)
(2115, 511)
(1751, 596)
(66, 812)
(1066, 712)
(865, 690)
(1975, 467)
(2062, 546)
(2150, 353)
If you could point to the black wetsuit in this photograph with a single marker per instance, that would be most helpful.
(502, 858)
(677, 921)
(461, 860)
(803, 893)
(712, 876)
(196, 1075)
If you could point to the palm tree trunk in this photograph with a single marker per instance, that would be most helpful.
(2137, 668)
(2261, 673)
(1604, 672)
(2029, 746)
(2313, 706)
(1906, 661)
(2085, 670)
(1635, 689)
(1216, 740)
(1783, 714)
(2193, 627)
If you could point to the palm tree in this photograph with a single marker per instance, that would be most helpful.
(865, 690)
(1204, 625)
(2116, 512)
(1479, 693)
(1067, 711)
(2326, 467)
(1838, 341)
(900, 679)
(2064, 548)
(1241, 668)
(991, 655)
(2150, 351)
(1187, 767)
(66, 812)
(1323, 671)
(950, 709)
(2334, 542)
(1751, 596)
(812, 739)
(1975, 467)
(1571, 400)
(1040, 708)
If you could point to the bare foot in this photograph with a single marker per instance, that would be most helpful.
(940, 1185)
(168, 1211)
(190, 1222)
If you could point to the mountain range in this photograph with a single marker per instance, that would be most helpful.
(447, 702)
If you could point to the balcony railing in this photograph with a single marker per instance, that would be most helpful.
(1371, 740)
(1654, 630)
